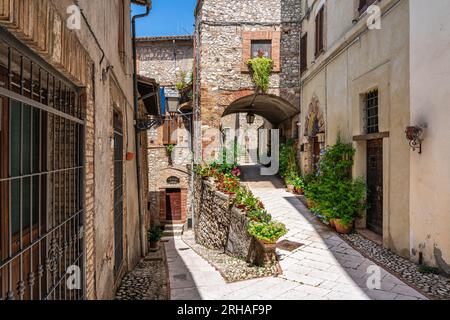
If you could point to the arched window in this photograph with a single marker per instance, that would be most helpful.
(173, 180)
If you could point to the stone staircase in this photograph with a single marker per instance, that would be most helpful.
(173, 230)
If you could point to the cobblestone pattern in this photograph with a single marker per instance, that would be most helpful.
(231, 268)
(435, 286)
(148, 281)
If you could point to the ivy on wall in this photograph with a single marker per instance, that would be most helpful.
(261, 68)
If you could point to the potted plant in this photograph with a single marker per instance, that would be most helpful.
(332, 223)
(154, 237)
(267, 233)
(259, 216)
(299, 185)
(343, 226)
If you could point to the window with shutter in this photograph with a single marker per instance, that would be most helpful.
(169, 131)
(304, 53)
(319, 32)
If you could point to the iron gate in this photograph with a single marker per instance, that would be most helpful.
(41, 178)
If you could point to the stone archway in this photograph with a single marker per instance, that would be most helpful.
(271, 111)
(314, 135)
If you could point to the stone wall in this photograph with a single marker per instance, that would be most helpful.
(223, 30)
(165, 58)
(221, 226)
(42, 27)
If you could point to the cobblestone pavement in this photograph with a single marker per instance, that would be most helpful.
(148, 281)
(325, 268)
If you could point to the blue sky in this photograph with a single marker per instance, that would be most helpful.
(167, 18)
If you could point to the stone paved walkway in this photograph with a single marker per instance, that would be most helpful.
(325, 268)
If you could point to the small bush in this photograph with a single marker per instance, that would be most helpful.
(259, 216)
(155, 234)
(429, 270)
(334, 192)
(269, 232)
(261, 68)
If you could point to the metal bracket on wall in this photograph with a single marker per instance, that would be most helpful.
(149, 123)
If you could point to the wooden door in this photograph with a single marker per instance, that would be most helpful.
(173, 205)
(375, 185)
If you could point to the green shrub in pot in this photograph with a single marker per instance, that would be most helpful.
(259, 216)
(154, 236)
(267, 232)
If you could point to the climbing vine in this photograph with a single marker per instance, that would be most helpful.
(261, 68)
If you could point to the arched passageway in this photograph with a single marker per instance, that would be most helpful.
(273, 108)
(247, 116)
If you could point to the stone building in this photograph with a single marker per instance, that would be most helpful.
(227, 35)
(68, 183)
(367, 82)
(169, 61)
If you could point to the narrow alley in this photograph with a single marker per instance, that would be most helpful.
(325, 267)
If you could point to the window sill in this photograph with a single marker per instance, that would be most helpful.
(371, 136)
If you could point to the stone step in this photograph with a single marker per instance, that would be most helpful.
(173, 229)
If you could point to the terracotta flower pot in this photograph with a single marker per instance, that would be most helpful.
(309, 203)
(299, 191)
(155, 245)
(341, 228)
(268, 246)
(332, 223)
(290, 188)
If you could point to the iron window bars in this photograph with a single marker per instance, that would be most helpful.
(372, 112)
(41, 179)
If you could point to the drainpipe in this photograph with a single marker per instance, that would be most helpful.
(148, 6)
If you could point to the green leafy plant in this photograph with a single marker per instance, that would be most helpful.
(185, 80)
(228, 183)
(170, 148)
(288, 161)
(155, 234)
(261, 68)
(267, 232)
(429, 270)
(297, 182)
(333, 191)
(245, 200)
(259, 216)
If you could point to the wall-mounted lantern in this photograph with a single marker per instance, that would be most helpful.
(250, 118)
(414, 136)
(172, 104)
